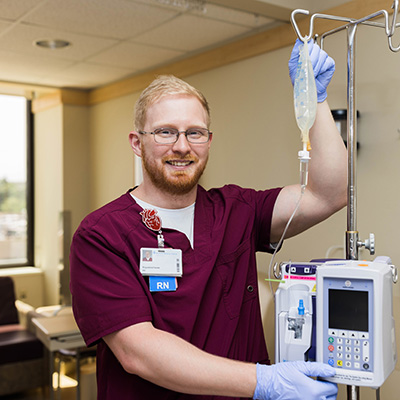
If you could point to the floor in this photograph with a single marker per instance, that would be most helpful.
(67, 382)
(40, 394)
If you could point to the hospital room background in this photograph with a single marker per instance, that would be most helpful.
(83, 158)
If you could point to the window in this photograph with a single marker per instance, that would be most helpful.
(16, 182)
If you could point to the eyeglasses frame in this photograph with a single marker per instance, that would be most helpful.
(177, 136)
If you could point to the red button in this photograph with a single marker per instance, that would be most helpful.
(331, 348)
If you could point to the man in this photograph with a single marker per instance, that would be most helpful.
(147, 256)
(204, 337)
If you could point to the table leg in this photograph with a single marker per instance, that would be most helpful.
(51, 371)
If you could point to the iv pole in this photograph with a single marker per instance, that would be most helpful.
(352, 235)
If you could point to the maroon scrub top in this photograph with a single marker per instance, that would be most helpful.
(216, 306)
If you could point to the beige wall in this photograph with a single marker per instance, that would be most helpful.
(76, 162)
(112, 163)
(48, 196)
(62, 155)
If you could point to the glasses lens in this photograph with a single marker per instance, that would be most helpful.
(170, 135)
(166, 135)
(198, 135)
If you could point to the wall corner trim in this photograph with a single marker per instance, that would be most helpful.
(59, 97)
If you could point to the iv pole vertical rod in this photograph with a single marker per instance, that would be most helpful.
(353, 392)
(351, 234)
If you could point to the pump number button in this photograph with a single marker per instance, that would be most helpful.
(365, 351)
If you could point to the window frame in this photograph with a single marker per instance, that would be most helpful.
(30, 180)
(29, 190)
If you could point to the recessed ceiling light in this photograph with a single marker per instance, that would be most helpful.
(52, 44)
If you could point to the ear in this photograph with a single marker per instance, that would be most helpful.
(136, 144)
(209, 141)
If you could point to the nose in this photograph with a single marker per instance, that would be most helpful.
(182, 145)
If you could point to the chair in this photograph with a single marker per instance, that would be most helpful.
(22, 361)
(63, 355)
(78, 355)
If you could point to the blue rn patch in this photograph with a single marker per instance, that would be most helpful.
(162, 283)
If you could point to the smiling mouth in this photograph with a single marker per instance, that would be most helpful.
(176, 163)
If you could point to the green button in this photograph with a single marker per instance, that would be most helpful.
(331, 340)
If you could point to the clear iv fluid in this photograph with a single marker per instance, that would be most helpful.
(305, 93)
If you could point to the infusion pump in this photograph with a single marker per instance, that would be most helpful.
(346, 307)
(355, 325)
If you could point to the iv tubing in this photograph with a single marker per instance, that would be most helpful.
(282, 237)
(304, 157)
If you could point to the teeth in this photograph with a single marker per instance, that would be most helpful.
(179, 163)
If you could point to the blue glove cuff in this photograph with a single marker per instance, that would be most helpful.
(321, 97)
(262, 391)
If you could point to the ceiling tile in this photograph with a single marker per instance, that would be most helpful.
(107, 18)
(311, 5)
(11, 9)
(190, 32)
(4, 26)
(135, 56)
(234, 16)
(180, 6)
(26, 68)
(62, 82)
(111, 39)
(21, 39)
(91, 75)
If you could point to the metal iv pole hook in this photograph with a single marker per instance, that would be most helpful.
(313, 17)
(296, 28)
(395, 7)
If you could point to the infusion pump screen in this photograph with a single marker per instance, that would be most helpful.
(348, 310)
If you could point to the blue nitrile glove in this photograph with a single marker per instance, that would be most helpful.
(290, 381)
(323, 66)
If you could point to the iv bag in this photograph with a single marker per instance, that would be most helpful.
(305, 93)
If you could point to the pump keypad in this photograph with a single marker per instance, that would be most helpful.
(349, 350)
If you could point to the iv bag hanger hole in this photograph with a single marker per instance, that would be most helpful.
(340, 117)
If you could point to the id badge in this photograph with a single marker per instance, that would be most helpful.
(161, 262)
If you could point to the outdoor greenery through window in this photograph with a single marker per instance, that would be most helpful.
(16, 241)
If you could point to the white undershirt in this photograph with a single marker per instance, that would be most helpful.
(180, 219)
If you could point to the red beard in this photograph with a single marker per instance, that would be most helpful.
(177, 183)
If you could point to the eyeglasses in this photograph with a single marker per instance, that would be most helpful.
(171, 135)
